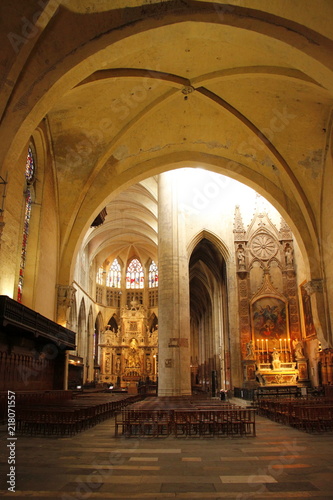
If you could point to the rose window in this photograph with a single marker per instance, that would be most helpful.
(263, 246)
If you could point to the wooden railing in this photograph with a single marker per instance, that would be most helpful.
(15, 314)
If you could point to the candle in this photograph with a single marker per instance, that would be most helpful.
(288, 350)
(262, 350)
(267, 350)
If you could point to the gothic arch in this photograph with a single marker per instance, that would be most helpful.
(208, 312)
(305, 234)
(98, 331)
(213, 238)
(82, 331)
(89, 376)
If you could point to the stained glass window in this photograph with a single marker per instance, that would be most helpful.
(153, 275)
(29, 166)
(99, 276)
(135, 276)
(30, 169)
(114, 275)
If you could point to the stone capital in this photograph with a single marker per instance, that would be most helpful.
(66, 294)
(314, 286)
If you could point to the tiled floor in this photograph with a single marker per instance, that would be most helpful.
(280, 463)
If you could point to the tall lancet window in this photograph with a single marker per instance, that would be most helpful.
(99, 276)
(30, 173)
(134, 275)
(153, 275)
(114, 275)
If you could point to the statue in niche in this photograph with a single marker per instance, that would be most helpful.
(107, 363)
(250, 350)
(288, 255)
(276, 363)
(298, 348)
(148, 365)
(240, 257)
(118, 364)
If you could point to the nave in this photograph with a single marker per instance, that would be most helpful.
(281, 462)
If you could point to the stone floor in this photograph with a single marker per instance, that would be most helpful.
(280, 463)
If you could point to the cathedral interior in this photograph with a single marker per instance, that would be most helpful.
(166, 195)
(166, 249)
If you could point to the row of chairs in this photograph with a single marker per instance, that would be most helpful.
(229, 421)
(67, 418)
(23, 398)
(311, 415)
(314, 418)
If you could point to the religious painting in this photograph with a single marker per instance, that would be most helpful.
(269, 318)
(307, 312)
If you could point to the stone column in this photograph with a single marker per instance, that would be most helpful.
(173, 295)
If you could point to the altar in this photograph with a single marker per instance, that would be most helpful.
(274, 367)
(286, 374)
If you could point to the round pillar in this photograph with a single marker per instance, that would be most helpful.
(174, 377)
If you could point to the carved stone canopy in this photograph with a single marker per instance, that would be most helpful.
(239, 229)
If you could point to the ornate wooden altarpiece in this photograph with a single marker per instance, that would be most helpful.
(128, 354)
(270, 333)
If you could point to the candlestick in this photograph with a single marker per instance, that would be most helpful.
(262, 351)
(280, 343)
(267, 351)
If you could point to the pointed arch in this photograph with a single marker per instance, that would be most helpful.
(99, 328)
(208, 312)
(113, 323)
(82, 329)
(30, 177)
(213, 238)
(90, 347)
(135, 274)
(153, 275)
(113, 277)
(152, 322)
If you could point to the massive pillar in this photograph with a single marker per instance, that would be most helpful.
(173, 294)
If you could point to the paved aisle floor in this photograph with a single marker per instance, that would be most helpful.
(280, 463)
